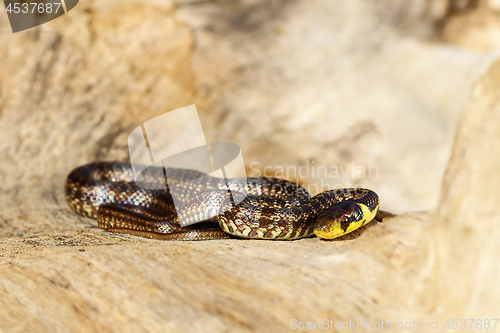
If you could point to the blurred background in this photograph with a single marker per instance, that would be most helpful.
(326, 92)
(359, 92)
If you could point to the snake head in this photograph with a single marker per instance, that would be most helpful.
(338, 220)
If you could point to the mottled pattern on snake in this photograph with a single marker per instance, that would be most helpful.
(274, 208)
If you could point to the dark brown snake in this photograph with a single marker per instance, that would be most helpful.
(274, 208)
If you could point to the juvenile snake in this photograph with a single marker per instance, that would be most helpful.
(274, 208)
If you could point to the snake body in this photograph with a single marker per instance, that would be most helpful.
(273, 209)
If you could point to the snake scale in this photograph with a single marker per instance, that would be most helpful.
(273, 209)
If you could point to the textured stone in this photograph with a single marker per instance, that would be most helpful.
(476, 30)
(338, 83)
(467, 233)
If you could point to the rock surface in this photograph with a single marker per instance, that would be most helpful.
(466, 234)
(295, 84)
(471, 24)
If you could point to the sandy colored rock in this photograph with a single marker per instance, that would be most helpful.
(466, 236)
(295, 82)
(476, 30)
(469, 24)
(329, 99)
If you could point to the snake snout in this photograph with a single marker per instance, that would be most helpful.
(327, 229)
(335, 221)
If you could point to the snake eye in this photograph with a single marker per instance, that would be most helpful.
(344, 222)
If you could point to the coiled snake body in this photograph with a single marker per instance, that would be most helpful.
(274, 208)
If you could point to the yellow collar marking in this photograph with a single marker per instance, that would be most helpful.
(368, 215)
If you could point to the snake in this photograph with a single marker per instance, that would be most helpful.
(267, 208)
